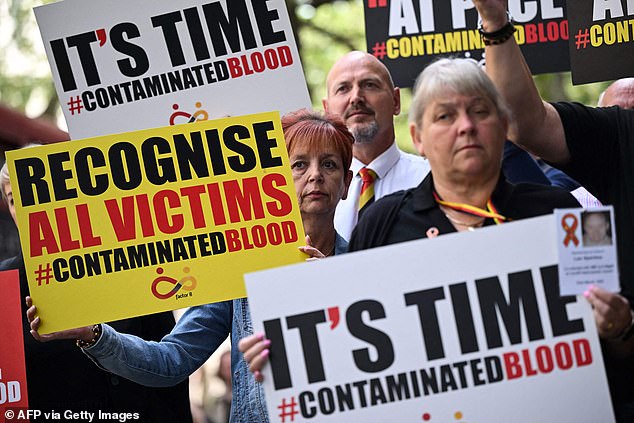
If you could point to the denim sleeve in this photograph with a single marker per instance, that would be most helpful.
(194, 338)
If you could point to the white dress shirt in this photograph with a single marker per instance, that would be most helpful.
(396, 171)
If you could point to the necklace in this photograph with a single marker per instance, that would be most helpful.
(470, 227)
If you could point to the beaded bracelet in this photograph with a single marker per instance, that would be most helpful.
(500, 36)
(96, 334)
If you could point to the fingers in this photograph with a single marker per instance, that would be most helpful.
(245, 343)
(256, 351)
(35, 325)
(492, 10)
(30, 313)
(312, 252)
(614, 300)
(611, 312)
(34, 321)
(608, 302)
(252, 355)
(259, 360)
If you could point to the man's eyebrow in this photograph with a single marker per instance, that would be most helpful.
(340, 82)
(373, 78)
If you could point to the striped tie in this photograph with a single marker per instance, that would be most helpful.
(368, 176)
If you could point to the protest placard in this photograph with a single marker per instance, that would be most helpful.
(406, 35)
(122, 66)
(135, 223)
(13, 392)
(602, 45)
(466, 327)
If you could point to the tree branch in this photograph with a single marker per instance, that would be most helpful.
(336, 37)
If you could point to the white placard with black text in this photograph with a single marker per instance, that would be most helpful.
(122, 66)
(465, 327)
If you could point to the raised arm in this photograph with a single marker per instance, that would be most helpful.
(537, 126)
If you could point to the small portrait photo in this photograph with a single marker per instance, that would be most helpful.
(596, 227)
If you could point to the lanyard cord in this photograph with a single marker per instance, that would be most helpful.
(490, 212)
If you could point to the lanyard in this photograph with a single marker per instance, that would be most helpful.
(491, 211)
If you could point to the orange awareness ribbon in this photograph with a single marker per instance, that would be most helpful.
(570, 229)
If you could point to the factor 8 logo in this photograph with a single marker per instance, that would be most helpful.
(180, 116)
(186, 283)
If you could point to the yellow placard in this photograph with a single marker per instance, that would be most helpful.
(136, 223)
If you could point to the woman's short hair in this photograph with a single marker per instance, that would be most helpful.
(4, 179)
(452, 75)
(317, 130)
(4, 172)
